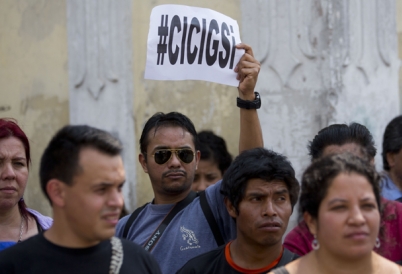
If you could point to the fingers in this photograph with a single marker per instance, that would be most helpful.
(247, 70)
(246, 47)
(251, 72)
(247, 65)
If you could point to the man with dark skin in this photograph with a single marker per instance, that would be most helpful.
(260, 192)
(169, 156)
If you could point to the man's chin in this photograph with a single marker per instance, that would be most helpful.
(176, 188)
(106, 234)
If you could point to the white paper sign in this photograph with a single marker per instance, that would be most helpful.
(189, 43)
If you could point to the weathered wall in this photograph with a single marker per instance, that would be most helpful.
(323, 62)
(100, 75)
(33, 76)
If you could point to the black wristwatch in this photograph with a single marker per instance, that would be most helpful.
(255, 104)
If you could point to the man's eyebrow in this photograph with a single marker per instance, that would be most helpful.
(102, 184)
(161, 147)
(281, 191)
(255, 194)
(166, 147)
(107, 184)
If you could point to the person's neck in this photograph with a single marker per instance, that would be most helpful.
(10, 224)
(61, 234)
(328, 263)
(161, 199)
(395, 179)
(252, 256)
(10, 216)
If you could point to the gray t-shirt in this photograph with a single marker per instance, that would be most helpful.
(188, 234)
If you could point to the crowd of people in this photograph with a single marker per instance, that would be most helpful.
(209, 214)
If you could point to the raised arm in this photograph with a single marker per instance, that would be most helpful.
(247, 73)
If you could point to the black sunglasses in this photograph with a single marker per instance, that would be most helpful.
(185, 155)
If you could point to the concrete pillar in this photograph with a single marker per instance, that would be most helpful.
(101, 75)
(323, 62)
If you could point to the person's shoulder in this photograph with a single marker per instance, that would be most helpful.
(121, 223)
(279, 270)
(129, 245)
(210, 254)
(299, 233)
(134, 249)
(386, 265)
(391, 208)
(213, 192)
(38, 214)
(289, 268)
(21, 250)
(136, 256)
(216, 186)
(44, 221)
(289, 256)
(201, 260)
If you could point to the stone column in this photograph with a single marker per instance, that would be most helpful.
(101, 75)
(323, 62)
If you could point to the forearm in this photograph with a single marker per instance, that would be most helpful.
(250, 130)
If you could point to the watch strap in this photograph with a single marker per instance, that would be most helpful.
(255, 104)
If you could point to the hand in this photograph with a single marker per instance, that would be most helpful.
(247, 73)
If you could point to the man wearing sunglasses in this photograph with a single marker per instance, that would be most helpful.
(174, 226)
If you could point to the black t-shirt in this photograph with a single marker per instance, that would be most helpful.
(38, 255)
(215, 262)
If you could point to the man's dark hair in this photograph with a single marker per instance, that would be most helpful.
(258, 163)
(319, 176)
(392, 141)
(213, 148)
(171, 119)
(340, 134)
(60, 160)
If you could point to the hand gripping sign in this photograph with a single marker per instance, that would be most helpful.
(189, 43)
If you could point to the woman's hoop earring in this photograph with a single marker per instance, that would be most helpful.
(377, 243)
(315, 244)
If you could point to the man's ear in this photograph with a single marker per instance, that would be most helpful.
(143, 161)
(230, 208)
(311, 223)
(56, 191)
(390, 159)
(197, 158)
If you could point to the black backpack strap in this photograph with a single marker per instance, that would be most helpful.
(211, 219)
(131, 220)
(287, 257)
